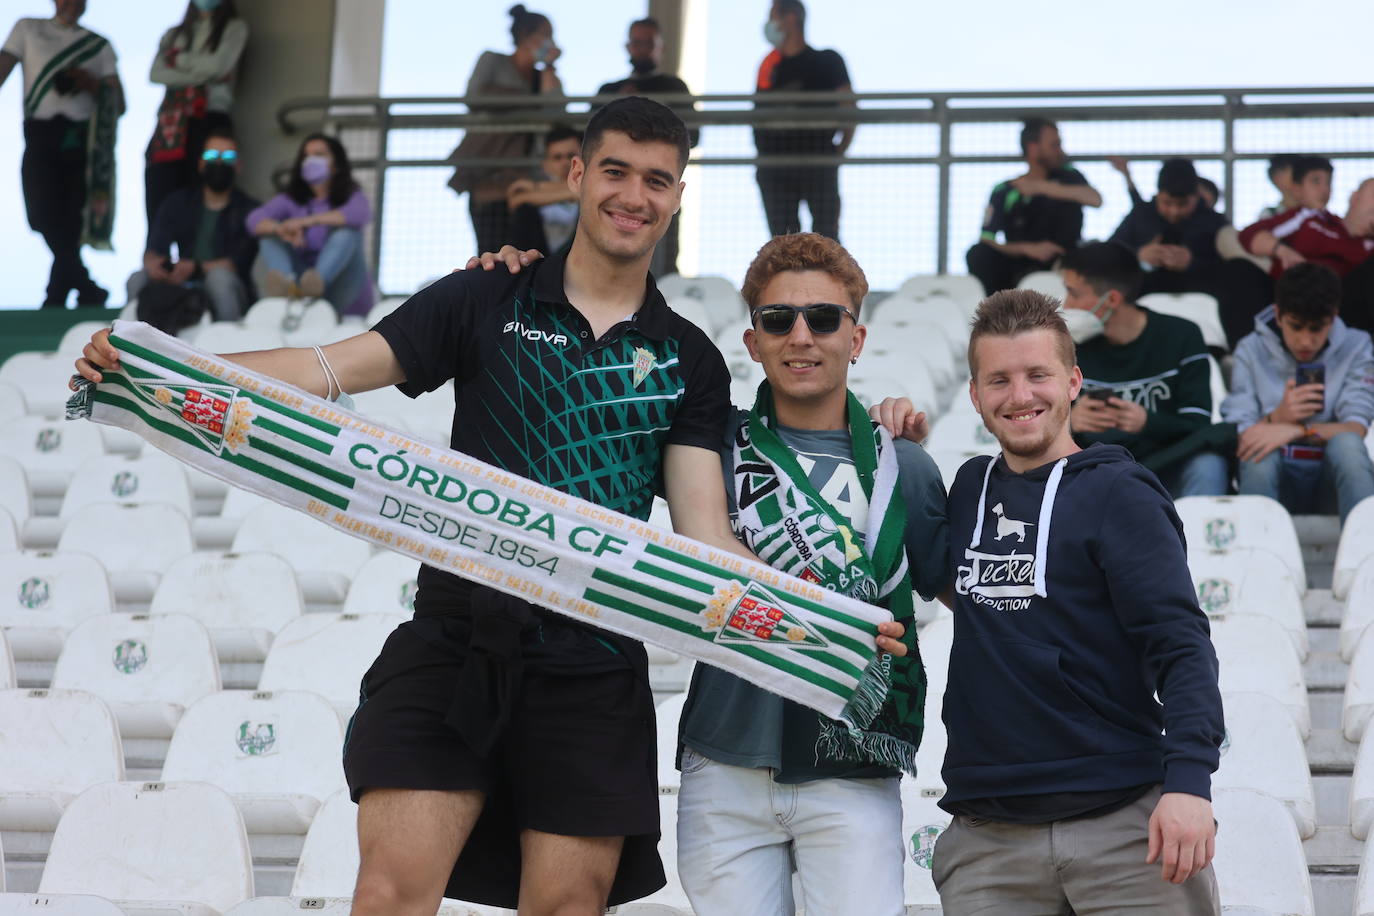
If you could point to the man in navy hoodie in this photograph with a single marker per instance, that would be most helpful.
(1071, 785)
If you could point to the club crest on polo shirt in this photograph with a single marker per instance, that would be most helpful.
(644, 362)
(553, 338)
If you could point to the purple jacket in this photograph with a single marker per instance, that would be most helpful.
(356, 210)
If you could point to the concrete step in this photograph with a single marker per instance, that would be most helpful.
(1333, 893)
(1329, 753)
(1332, 793)
(1321, 609)
(1324, 669)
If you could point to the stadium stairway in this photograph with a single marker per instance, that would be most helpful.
(1333, 853)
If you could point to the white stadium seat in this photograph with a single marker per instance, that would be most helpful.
(328, 865)
(668, 715)
(720, 298)
(148, 669)
(234, 337)
(1223, 523)
(1364, 885)
(49, 450)
(1199, 308)
(962, 288)
(872, 382)
(219, 530)
(136, 544)
(1356, 546)
(278, 754)
(152, 478)
(178, 844)
(941, 311)
(1255, 654)
(1362, 791)
(1044, 281)
(1260, 861)
(1265, 752)
(962, 431)
(12, 405)
(44, 595)
(671, 894)
(9, 532)
(55, 744)
(42, 377)
(324, 558)
(385, 585)
(327, 654)
(695, 312)
(1359, 609)
(57, 905)
(1250, 581)
(290, 316)
(7, 674)
(1359, 690)
(75, 338)
(243, 599)
(922, 823)
(15, 497)
(930, 756)
(383, 308)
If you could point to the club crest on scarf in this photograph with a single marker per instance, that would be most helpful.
(213, 413)
(749, 613)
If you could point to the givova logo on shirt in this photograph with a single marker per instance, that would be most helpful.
(549, 337)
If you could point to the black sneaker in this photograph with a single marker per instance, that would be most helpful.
(92, 297)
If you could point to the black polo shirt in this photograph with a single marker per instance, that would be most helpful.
(1035, 219)
(539, 397)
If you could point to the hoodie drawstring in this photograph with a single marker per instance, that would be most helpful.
(1042, 534)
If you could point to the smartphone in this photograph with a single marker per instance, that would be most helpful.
(1312, 374)
(1100, 393)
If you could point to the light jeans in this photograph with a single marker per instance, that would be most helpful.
(1202, 474)
(738, 833)
(341, 263)
(1343, 477)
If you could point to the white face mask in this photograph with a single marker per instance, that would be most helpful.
(1085, 324)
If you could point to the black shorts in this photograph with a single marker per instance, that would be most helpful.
(576, 757)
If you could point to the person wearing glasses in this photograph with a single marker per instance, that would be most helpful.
(214, 249)
(762, 787)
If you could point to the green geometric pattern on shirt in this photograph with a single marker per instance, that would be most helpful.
(587, 429)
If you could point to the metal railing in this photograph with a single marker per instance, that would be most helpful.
(918, 172)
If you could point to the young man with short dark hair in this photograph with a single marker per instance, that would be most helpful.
(1039, 215)
(1302, 398)
(1146, 380)
(499, 751)
(1073, 787)
(1174, 236)
(818, 492)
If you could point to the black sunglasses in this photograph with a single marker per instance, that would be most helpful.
(821, 318)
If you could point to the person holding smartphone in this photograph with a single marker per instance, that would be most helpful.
(1302, 397)
(1146, 383)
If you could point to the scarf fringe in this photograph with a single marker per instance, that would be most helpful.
(839, 743)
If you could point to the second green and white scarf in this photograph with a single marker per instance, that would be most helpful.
(793, 528)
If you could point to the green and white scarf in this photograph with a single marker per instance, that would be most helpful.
(792, 528)
(485, 524)
(73, 55)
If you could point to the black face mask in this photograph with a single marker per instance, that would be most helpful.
(642, 65)
(218, 176)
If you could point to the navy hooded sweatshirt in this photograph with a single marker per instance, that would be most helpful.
(1074, 607)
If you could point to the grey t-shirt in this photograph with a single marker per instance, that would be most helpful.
(732, 721)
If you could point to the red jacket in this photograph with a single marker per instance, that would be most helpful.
(1318, 235)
